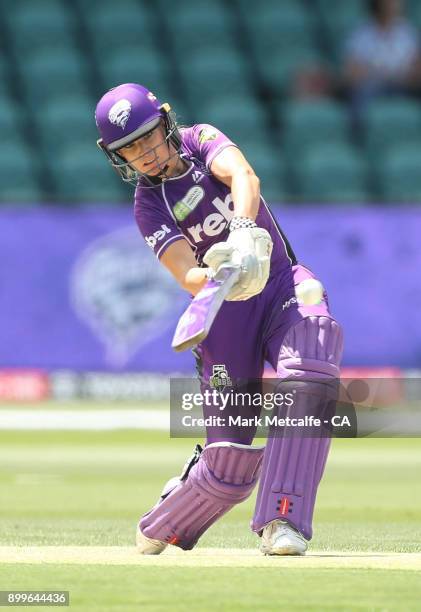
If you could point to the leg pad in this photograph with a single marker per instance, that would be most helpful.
(224, 476)
(293, 464)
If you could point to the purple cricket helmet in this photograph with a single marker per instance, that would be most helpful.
(126, 113)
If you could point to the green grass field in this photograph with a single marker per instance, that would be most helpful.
(64, 490)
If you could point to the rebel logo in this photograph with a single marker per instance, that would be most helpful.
(215, 223)
(157, 236)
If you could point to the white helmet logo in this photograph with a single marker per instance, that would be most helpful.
(120, 112)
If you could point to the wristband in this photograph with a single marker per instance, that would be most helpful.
(240, 223)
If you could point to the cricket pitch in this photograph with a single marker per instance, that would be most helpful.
(205, 557)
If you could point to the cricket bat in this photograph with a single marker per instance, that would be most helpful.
(196, 321)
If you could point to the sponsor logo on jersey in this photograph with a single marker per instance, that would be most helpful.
(215, 223)
(207, 134)
(220, 379)
(157, 236)
(119, 113)
(187, 204)
(287, 304)
(197, 176)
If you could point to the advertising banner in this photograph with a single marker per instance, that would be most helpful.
(81, 291)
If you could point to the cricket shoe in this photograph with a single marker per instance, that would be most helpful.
(149, 546)
(280, 538)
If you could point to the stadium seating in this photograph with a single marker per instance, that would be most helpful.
(109, 28)
(129, 64)
(46, 75)
(47, 24)
(281, 40)
(11, 116)
(66, 121)
(195, 25)
(18, 173)
(84, 175)
(277, 75)
(390, 122)
(399, 174)
(226, 62)
(414, 11)
(285, 25)
(210, 75)
(49, 27)
(331, 173)
(5, 76)
(337, 21)
(307, 123)
(240, 117)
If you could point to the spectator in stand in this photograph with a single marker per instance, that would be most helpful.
(312, 80)
(382, 56)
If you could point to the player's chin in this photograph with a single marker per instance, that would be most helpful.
(150, 170)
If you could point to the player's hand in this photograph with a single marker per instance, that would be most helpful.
(218, 254)
(250, 249)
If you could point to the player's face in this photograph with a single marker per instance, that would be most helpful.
(148, 154)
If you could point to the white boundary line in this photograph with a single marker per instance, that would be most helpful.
(35, 419)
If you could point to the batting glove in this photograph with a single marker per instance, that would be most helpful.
(248, 247)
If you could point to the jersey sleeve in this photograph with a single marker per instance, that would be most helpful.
(156, 224)
(206, 142)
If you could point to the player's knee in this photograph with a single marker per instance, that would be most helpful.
(224, 464)
(311, 348)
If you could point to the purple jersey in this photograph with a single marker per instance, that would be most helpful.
(196, 206)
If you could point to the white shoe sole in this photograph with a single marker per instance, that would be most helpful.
(282, 551)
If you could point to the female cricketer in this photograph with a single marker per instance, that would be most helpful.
(198, 206)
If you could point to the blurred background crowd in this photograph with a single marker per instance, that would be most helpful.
(323, 96)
